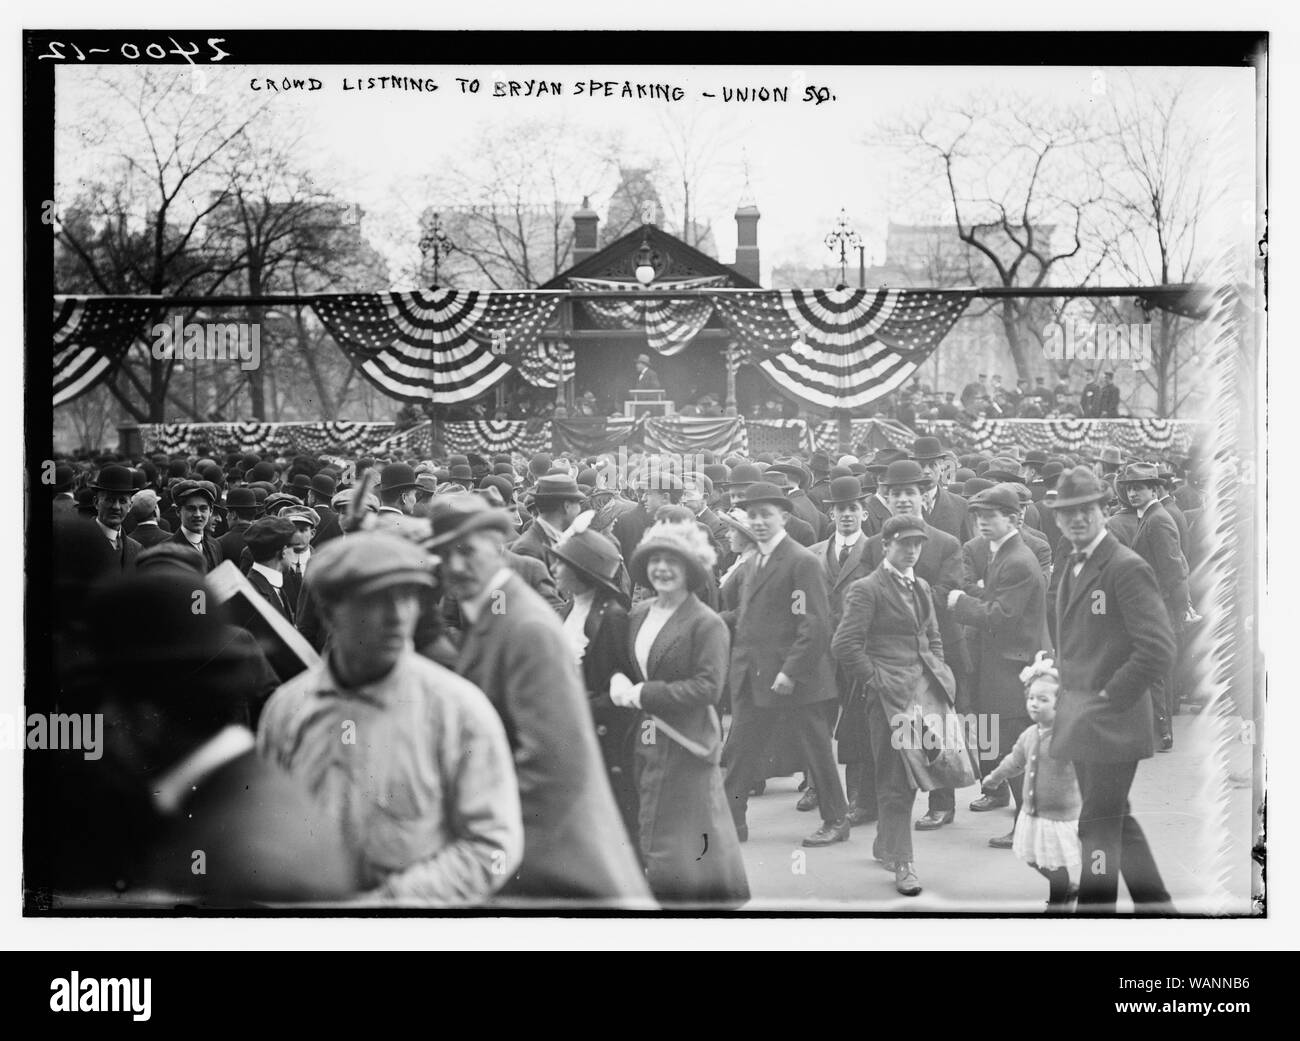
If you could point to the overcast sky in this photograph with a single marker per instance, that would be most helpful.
(805, 161)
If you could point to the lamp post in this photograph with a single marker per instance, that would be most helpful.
(842, 240)
(434, 243)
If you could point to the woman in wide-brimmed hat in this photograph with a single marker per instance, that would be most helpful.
(589, 570)
(680, 650)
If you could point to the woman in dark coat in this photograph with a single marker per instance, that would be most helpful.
(680, 649)
(587, 570)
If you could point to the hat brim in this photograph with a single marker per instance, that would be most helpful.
(607, 584)
(923, 482)
(696, 575)
(1076, 500)
(477, 522)
(774, 500)
(795, 473)
(735, 525)
(841, 502)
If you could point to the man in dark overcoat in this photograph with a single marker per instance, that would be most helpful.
(1113, 641)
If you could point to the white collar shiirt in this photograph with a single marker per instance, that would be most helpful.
(276, 578)
(765, 548)
(472, 609)
(995, 546)
(909, 576)
(1090, 549)
(850, 541)
(171, 789)
(113, 535)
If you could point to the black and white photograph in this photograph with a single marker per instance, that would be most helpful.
(647, 474)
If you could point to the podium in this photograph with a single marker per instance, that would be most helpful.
(647, 403)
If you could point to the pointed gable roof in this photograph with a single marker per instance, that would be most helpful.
(616, 260)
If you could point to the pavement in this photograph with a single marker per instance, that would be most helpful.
(1199, 828)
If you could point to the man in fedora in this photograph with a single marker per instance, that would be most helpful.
(820, 464)
(1005, 602)
(194, 500)
(558, 501)
(646, 377)
(804, 508)
(842, 556)
(905, 485)
(654, 489)
(405, 755)
(796, 527)
(780, 666)
(942, 509)
(1156, 541)
(1114, 641)
(575, 845)
(397, 490)
(112, 499)
(1110, 461)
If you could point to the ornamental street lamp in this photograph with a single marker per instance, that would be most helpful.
(843, 239)
(434, 243)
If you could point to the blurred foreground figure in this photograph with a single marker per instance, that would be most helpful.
(213, 823)
(576, 847)
(408, 758)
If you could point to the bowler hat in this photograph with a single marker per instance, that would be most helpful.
(762, 492)
(504, 470)
(462, 472)
(502, 484)
(539, 464)
(300, 483)
(820, 462)
(845, 489)
(1051, 470)
(884, 456)
(905, 471)
(925, 448)
(366, 562)
(904, 526)
(1000, 497)
(839, 471)
(241, 499)
(396, 477)
(64, 477)
(324, 484)
(262, 472)
(974, 485)
(595, 556)
(114, 479)
(1077, 488)
(1035, 457)
(453, 516)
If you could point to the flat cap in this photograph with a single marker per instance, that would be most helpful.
(904, 526)
(366, 562)
(301, 515)
(268, 535)
(1000, 497)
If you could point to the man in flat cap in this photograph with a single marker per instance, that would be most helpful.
(298, 554)
(113, 491)
(1004, 599)
(407, 756)
(266, 540)
(194, 500)
(575, 844)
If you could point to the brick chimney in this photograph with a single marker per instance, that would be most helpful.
(747, 238)
(584, 232)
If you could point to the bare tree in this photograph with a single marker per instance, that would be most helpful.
(1022, 185)
(138, 224)
(1156, 202)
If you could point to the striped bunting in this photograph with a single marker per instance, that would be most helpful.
(687, 435)
(547, 364)
(670, 325)
(1134, 437)
(356, 437)
(440, 345)
(487, 436)
(90, 339)
(842, 348)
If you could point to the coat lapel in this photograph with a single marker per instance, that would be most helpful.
(850, 562)
(762, 574)
(674, 629)
(1088, 575)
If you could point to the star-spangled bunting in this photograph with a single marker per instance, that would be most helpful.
(441, 345)
(670, 325)
(91, 337)
(547, 364)
(842, 348)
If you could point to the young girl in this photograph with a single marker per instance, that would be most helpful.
(1047, 830)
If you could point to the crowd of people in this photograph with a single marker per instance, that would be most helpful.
(495, 680)
(993, 399)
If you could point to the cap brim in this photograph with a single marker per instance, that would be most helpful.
(481, 522)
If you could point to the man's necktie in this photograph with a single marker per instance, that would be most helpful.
(844, 553)
(1078, 557)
